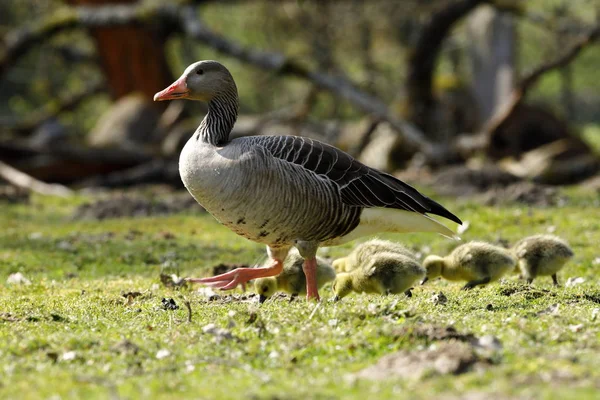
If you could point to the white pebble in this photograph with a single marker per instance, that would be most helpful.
(69, 356)
(162, 353)
(17, 279)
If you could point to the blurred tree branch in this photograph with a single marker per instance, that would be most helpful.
(56, 107)
(530, 79)
(24, 181)
(467, 145)
(421, 65)
(182, 17)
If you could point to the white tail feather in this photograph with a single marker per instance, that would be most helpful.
(379, 220)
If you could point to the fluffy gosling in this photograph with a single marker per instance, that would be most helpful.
(365, 251)
(292, 279)
(383, 273)
(478, 263)
(541, 255)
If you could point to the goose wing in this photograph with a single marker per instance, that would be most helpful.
(359, 185)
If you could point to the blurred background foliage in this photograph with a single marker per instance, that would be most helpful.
(367, 42)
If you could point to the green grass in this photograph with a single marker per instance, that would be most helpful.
(64, 336)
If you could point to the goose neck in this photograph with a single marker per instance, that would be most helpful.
(222, 114)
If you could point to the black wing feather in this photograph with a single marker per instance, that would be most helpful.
(359, 184)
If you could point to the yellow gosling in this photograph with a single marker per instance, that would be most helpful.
(478, 263)
(541, 255)
(365, 251)
(292, 279)
(383, 273)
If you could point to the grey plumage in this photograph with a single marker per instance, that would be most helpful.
(286, 191)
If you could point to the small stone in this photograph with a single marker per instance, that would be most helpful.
(574, 281)
(439, 298)
(488, 342)
(169, 304)
(595, 313)
(17, 279)
(69, 356)
(64, 245)
(576, 328)
(163, 353)
(209, 328)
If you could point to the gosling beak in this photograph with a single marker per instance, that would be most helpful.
(424, 280)
(262, 298)
(177, 90)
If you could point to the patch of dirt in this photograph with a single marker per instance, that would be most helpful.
(169, 304)
(232, 298)
(493, 186)
(481, 396)
(137, 205)
(8, 317)
(529, 292)
(13, 195)
(593, 297)
(432, 332)
(461, 180)
(529, 193)
(172, 281)
(125, 347)
(451, 358)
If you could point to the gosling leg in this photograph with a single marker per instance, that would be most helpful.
(555, 280)
(476, 282)
(408, 292)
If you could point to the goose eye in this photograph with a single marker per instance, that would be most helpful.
(200, 72)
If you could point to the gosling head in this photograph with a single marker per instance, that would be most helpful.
(434, 266)
(265, 287)
(342, 286)
(339, 265)
(203, 81)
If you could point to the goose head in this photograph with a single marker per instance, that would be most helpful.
(342, 286)
(203, 81)
(434, 266)
(265, 287)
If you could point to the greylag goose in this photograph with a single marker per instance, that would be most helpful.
(365, 251)
(383, 273)
(541, 255)
(286, 191)
(292, 279)
(478, 263)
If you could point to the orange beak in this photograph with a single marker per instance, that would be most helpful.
(177, 90)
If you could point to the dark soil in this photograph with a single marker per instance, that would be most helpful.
(492, 186)
(137, 204)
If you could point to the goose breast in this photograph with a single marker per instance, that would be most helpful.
(264, 198)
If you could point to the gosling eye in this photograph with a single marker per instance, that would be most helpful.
(199, 71)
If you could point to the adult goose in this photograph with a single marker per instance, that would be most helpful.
(286, 191)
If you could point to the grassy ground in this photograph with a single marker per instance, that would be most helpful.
(72, 333)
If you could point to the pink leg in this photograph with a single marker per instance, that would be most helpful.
(310, 271)
(231, 279)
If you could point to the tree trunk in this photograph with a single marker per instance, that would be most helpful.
(423, 60)
(132, 57)
(492, 52)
